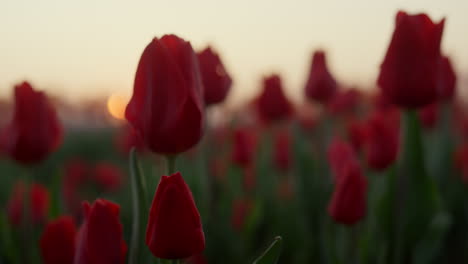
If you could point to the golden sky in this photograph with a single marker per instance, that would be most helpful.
(91, 47)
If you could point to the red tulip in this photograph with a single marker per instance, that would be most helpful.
(339, 153)
(357, 133)
(429, 115)
(243, 152)
(321, 86)
(348, 203)
(57, 243)
(448, 79)
(100, 238)
(108, 176)
(382, 144)
(344, 102)
(38, 205)
(272, 103)
(35, 131)
(76, 176)
(241, 210)
(174, 228)
(409, 73)
(127, 139)
(216, 80)
(166, 108)
(282, 151)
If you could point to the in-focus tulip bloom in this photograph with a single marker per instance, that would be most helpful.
(409, 74)
(241, 210)
(429, 115)
(282, 150)
(35, 130)
(339, 152)
(57, 243)
(38, 204)
(243, 152)
(382, 144)
(448, 79)
(100, 238)
(272, 103)
(349, 200)
(174, 228)
(321, 86)
(167, 108)
(216, 81)
(108, 176)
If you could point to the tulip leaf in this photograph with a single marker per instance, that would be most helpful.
(140, 210)
(271, 254)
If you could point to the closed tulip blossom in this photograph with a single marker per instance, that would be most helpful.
(382, 142)
(174, 229)
(272, 103)
(100, 238)
(282, 151)
(243, 147)
(57, 242)
(38, 204)
(348, 204)
(166, 108)
(448, 79)
(108, 176)
(320, 86)
(35, 131)
(338, 153)
(409, 74)
(216, 81)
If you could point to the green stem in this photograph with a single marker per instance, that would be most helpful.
(171, 160)
(26, 221)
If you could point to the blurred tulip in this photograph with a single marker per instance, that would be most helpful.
(38, 205)
(409, 73)
(100, 238)
(108, 176)
(216, 81)
(174, 228)
(243, 153)
(348, 204)
(282, 150)
(344, 102)
(429, 115)
(382, 144)
(241, 209)
(128, 138)
(321, 86)
(272, 103)
(57, 242)
(167, 108)
(76, 176)
(339, 153)
(357, 134)
(35, 130)
(448, 79)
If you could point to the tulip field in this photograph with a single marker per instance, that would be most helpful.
(346, 176)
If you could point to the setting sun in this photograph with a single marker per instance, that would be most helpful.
(116, 106)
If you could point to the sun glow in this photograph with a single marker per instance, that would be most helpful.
(116, 106)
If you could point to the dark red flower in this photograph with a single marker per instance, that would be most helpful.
(282, 150)
(100, 238)
(409, 74)
(357, 134)
(448, 79)
(35, 130)
(76, 177)
(382, 144)
(241, 210)
(216, 80)
(429, 115)
(272, 103)
(243, 152)
(38, 204)
(339, 153)
(166, 108)
(348, 203)
(108, 176)
(321, 86)
(128, 138)
(344, 101)
(174, 228)
(57, 243)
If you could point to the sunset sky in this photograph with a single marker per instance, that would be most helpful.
(91, 48)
